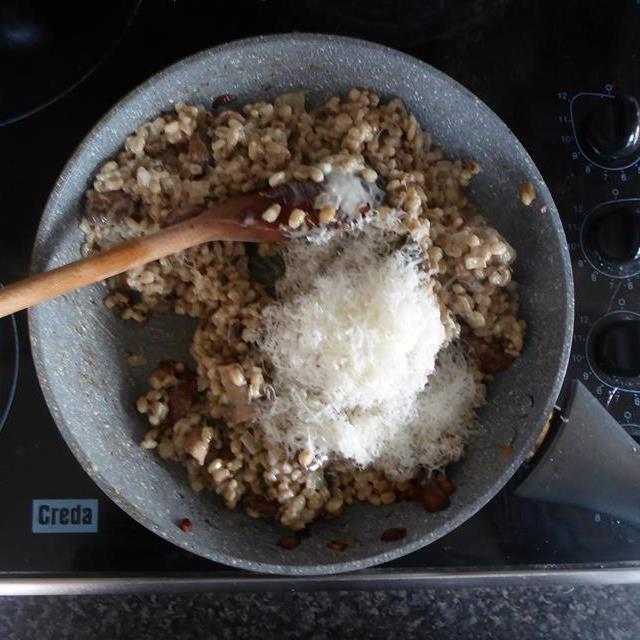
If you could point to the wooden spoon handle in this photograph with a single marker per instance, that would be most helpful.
(203, 228)
(43, 286)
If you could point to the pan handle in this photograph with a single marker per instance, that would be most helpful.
(591, 463)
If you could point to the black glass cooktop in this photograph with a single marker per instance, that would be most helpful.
(562, 74)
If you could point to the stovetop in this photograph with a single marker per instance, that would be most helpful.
(561, 74)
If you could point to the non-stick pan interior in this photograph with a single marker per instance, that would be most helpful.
(80, 347)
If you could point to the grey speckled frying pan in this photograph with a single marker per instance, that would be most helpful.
(80, 347)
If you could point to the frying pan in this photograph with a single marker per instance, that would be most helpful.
(80, 347)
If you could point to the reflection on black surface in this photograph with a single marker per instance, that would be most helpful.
(47, 47)
(402, 23)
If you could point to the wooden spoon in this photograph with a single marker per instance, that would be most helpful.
(239, 219)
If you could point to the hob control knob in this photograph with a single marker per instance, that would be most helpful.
(615, 347)
(613, 233)
(612, 129)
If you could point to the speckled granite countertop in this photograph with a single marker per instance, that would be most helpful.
(610, 613)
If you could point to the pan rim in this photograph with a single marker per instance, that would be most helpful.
(465, 511)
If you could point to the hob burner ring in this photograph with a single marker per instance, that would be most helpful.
(8, 364)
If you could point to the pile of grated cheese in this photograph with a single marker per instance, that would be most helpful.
(361, 366)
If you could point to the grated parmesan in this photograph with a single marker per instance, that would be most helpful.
(353, 341)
